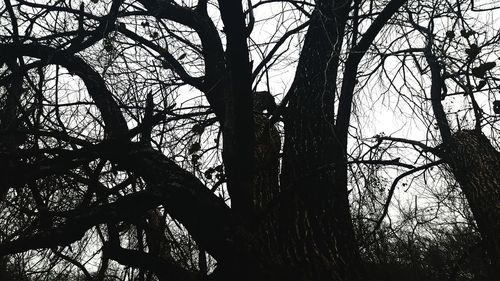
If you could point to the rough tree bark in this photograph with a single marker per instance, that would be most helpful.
(316, 232)
(476, 164)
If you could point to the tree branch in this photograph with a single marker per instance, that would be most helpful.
(351, 67)
(213, 52)
(115, 124)
(276, 46)
(395, 162)
(393, 187)
(238, 131)
(165, 269)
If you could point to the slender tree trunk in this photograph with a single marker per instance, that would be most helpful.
(476, 166)
(9, 138)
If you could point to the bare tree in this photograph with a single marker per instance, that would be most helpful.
(97, 118)
(452, 48)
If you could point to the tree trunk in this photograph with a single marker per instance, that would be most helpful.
(476, 166)
(316, 233)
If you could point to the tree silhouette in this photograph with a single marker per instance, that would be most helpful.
(138, 132)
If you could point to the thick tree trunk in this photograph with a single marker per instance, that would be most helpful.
(316, 232)
(476, 166)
